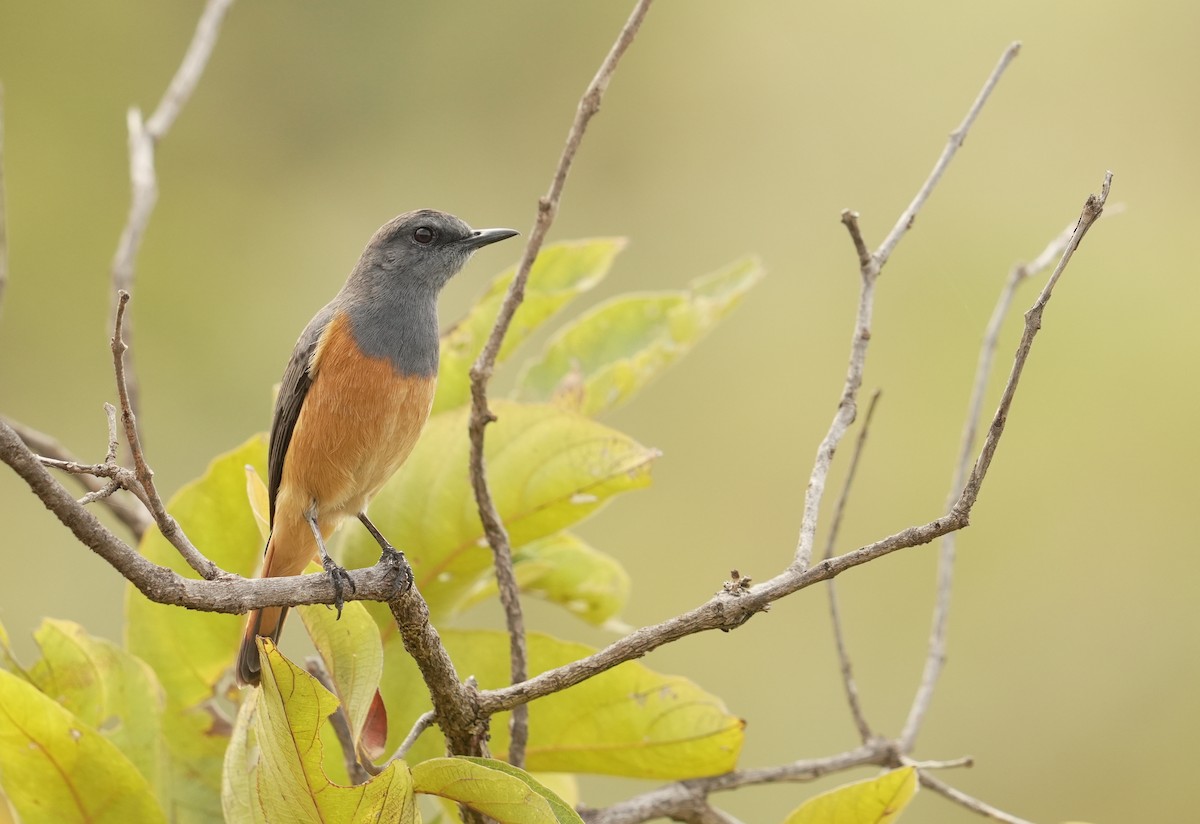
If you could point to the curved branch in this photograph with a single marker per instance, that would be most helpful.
(228, 593)
(481, 370)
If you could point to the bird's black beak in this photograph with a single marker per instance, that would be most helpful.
(484, 237)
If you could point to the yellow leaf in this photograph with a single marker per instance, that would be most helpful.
(877, 800)
(352, 653)
(260, 502)
(548, 468)
(494, 788)
(58, 770)
(603, 357)
(108, 689)
(629, 721)
(565, 570)
(291, 783)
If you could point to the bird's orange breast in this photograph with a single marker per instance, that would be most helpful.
(359, 422)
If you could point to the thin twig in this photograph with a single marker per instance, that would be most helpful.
(145, 475)
(835, 615)
(52, 453)
(110, 460)
(683, 798)
(340, 724)
(935, 658)
(423, 723)
(1092, 209)
(481, 371)
(955, 141)
(143, 138)
(870, 266)
(971, 803)
(941, 764)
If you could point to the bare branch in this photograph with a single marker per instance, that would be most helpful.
(52, 453)
(143, 138)
(869, 269)
(424, 722)
(835, 615)
(455, 704)
(942, 764)
(972, 804)
(935, 659)
(481, 370)
(228, 593)
(687, 798)
(728, 611)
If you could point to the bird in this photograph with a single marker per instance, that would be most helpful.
(353, 400)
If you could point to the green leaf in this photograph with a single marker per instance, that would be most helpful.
(564, 570)
(601, 359)
(561, 271)
(548, 468)
(877, 800)
(629, 721)
(291, 784)
(58, 770)
(352, 653)
(109, 690)
(494, 788)
(190, 651)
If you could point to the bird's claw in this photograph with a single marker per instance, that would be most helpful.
(340, 578)
(403, 580)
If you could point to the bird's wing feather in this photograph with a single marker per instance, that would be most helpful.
(297, 379)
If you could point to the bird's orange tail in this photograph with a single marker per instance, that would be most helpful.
(267, 623)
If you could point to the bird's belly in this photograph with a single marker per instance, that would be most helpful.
(359, 423)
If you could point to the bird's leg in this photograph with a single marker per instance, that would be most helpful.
(336, 574)
(392, 555)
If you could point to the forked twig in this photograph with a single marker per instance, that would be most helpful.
(870, 266)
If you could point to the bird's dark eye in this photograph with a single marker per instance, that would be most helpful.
(424, 235)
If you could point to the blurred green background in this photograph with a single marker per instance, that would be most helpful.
(731, 128)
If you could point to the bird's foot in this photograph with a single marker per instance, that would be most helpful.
(403, 580)
(340, 579)
(392, 557)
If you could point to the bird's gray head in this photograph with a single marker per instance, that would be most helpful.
(424, 249)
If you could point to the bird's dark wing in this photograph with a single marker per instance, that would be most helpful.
(292, 391)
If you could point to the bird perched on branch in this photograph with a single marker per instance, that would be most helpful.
(354, 398)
